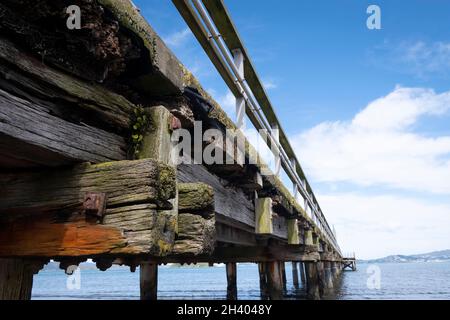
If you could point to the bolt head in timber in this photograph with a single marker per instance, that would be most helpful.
(94, 204)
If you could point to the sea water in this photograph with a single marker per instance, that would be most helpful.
(393, 281)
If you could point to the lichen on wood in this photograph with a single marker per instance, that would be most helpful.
(196, 197)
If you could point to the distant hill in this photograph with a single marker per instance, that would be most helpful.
(436, 256)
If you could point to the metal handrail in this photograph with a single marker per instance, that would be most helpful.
(224, 62)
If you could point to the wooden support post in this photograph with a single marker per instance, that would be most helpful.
(328, 275)
(334, 269)
(295, 274)
(321, 277)
(263, 286)
(274, 279)
(312, 280)
(283, 274)
(263, 216)
(302, 272)
(231, 281)
(149, 281)
(292, 227)
(16, 278)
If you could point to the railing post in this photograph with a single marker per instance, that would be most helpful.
(294, 184)
(240, 101)
(276, 136)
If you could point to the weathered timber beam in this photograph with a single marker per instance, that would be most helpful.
(50, 84)
(280, 227)
(196, 222)
(227, 234)
(196, 235)
(26, 126)
(251, 254)
(196, 197)
(43, 213)
(125, 182)
(166, 76)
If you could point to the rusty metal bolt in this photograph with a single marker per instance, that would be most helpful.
(94, 204)
(175, 123)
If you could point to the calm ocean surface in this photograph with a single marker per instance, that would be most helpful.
(398, 281)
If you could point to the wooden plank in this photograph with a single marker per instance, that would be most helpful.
(229, 201)
(35, 125)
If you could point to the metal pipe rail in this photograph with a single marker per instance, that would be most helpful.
(204, 28)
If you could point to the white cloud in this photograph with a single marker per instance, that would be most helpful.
(419, 58)
(178, 38)
(376, 226)
(269, 84)
(378, 146)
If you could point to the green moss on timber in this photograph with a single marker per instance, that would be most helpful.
(198, 188)
(167, 182)
(195, 196)
(140, 122)
(164, 247)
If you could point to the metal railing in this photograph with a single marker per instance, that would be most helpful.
(206, 18)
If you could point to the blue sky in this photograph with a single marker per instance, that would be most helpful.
(367, 110)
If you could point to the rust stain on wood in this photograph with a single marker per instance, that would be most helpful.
(45, 237)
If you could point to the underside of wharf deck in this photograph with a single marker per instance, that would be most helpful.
(88, 169)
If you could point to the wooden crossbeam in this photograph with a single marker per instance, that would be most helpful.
(43, 213)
